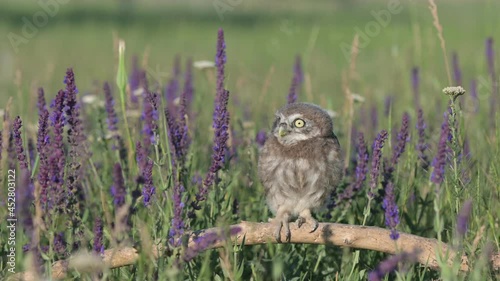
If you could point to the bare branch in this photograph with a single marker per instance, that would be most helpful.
(343, 235)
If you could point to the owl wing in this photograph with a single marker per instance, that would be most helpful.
(267, 165)
(334, 160)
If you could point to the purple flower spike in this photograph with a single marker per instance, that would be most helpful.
(463, 218)
(422, 146)
(402, 139)
(41, 100)
(146, 172)
(98, 236)
(457, 72)
(205, 241)
(378, 144)
(118, 188)
(112, 119)
(72, 111)
(220, 125)
(297, 79)
(473, 95)
(388, 101)
(391, 210)
(361, 169)
(135, 80)
(439, 162)
(391, 264)
(43, 148)
(177, 228)
(261, 137)
(18, 142)
(150, 119)
(490, 56)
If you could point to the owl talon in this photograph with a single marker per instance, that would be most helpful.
(314, 223)
(300, 221)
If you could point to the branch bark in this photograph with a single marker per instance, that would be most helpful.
(343, 235)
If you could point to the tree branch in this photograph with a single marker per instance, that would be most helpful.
(343, 235)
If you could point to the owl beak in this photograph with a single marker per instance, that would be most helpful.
(282, 130)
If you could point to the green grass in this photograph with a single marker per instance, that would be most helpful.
(261, 36)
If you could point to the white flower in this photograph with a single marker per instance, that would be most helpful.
(357, 98)
(203, 64)
(454, 91)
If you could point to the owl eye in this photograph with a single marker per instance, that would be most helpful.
(299, 123)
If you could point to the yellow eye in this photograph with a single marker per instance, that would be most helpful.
(299, 123)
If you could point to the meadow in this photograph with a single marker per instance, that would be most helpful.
(126, 149)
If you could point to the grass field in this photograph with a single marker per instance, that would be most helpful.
(262, 39)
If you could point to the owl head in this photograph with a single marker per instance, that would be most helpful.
(301, 121)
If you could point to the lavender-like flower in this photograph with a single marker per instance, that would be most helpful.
(463, 217)
(72, 111)
(220, 125)
(473, 95)
(297, 79)
(490, 57)
(401, 139)
(261, 137)
(377, 146)
(118, 188)
(98, 236)
(135, 80)
(391, 264)
(439, 162)
(41, 104)
(361, 169)
(18, 142)
(457, 72)
(177, 228)
(112, 119)
(146, 170)
(415, 83)
(205, 241)
(422, 145)
(56, 158)
(391, 210)
(388, 101)
(150, 118)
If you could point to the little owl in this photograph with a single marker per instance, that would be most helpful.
(299, 165)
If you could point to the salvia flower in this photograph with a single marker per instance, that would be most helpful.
(297, 80)
(377, 146)
(463, 217)
(220, 125)
(72, 111)
(205, 241)
(439, 162)
(150, 118)
(41, 104)
(361, 169)
(415, 83)
(134, 81)
(391, 264)
(391, 210)
(177, 228)
(146, 169)
(388, 101)
(118, 188)
(18, 142)
(473, 95)
(402, 138)
(98, 236)
(457, 72)
(261, 137)
(490, 57)
(112, 118)
(422, 145)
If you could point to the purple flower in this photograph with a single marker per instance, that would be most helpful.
(72, 111)
(463, 217)
(422, 146)
(401, 139)
(205, 241)
(177, 134)
(112, 119)
(150, 118)
(415, 83)
(490, 57)
(391, 210)
(118, 188)
(261, 137)
(457, 73)
(297, 79)
(60, 245)
(391, 264)
(177, 228)
(439, 162)
(146, 170)
(361, 169)
(377, 146)
(220, 125)
(18, 142)
(24, 199)
(473, 95)
(98, 236)
(41, 100)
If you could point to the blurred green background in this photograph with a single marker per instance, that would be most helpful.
(260, 35)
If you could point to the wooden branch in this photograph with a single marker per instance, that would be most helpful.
(343, 235)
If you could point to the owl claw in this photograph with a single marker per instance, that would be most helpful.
(314, 223)
(300, 221)
(277, 231)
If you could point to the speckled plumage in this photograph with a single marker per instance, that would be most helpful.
(299, 167)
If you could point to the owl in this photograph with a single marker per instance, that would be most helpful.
(299, 165)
